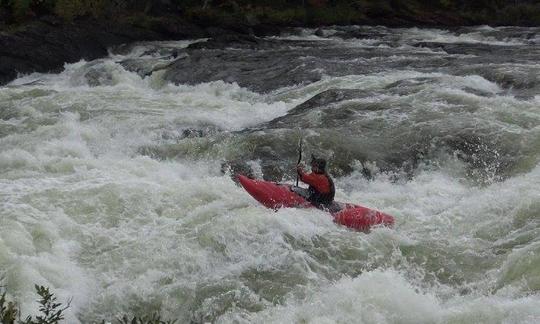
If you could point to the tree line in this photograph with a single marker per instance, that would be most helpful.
(282, 12)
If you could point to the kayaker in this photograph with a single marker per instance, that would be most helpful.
(321, 189)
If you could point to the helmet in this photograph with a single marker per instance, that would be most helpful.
(320, 163)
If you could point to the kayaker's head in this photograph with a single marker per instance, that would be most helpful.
(318, 165)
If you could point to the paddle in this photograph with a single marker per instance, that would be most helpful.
(299, 157)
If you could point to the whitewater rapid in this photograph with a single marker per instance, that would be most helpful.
(116, 190)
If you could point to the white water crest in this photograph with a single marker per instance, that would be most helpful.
(113, 191)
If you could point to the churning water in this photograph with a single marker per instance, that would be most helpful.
(116, 189)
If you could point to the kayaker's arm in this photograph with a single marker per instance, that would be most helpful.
(308, 178)
(318, 181)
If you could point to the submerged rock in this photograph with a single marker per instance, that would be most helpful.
(257, 70)
(346, 127)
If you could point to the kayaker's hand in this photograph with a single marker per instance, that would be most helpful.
(300, 168)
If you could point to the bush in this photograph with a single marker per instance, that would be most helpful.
(52, 312)
(70, 9)
(521, 14)
(234, 13)
(20, 8)
(8, 310)
(154, 319)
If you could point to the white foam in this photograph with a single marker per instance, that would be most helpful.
(444, 36)
(83, 212)
(387, 297)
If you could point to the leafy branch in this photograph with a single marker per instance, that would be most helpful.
(52, 311)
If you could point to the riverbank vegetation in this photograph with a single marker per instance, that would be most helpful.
(52, 311)
(283, 12)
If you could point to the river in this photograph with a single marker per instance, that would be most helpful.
(116, 178)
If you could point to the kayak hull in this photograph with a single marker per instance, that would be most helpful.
(274, 195)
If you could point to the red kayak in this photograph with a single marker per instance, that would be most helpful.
(274, 195)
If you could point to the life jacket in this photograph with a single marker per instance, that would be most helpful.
(322, 199)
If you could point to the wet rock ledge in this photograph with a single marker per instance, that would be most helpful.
(46, 44)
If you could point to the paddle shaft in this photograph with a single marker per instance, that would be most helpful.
(299, 158)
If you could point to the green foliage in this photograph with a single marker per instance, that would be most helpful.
(154, 319)
(230, 13)
(25, 9)
(447, 3)
(285, 16)
(8, 310)
(52, 312)
(526, 14)
(142, 20)
(68, 9)
(20, 8)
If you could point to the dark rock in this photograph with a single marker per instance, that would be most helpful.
(51, 20)
(257, 70)
(236, 167)
(225, 40)
(46, 45)
(43, 47)
(98, 75)
(192, 132)
(264, 65)
(266, 30)
(344, 130)
(171, 28)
